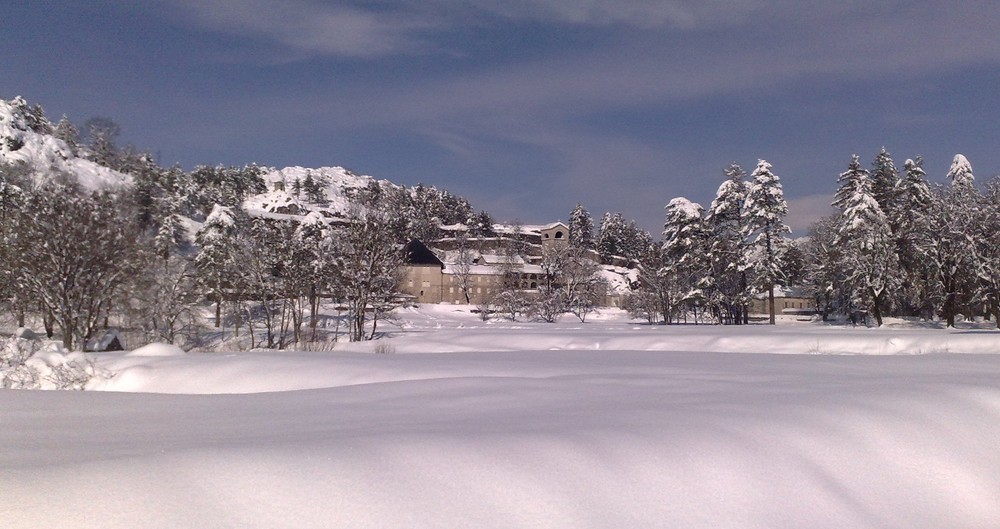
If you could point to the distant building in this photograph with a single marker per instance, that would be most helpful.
(787, 300)
(433, 272)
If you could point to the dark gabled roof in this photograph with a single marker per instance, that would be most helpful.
(416, 253)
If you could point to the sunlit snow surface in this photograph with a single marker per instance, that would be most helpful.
(604, 424)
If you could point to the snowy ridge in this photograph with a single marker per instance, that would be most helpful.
(337, 184)
(48, 155)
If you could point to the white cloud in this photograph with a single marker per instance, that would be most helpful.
(307, 26)
(640, 13)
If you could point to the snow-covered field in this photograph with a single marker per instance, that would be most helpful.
(604, 424)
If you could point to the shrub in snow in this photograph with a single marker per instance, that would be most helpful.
(32, 364)
(14, 372)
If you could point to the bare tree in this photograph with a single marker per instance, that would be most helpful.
(74, 254)
(371, 266)
(463, 266)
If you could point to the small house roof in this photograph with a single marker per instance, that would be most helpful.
(787, 292)
(417, 253)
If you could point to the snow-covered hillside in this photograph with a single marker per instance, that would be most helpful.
(600, 425)
(336, 184)
(47, 154)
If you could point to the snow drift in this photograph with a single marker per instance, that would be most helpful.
(517, 432)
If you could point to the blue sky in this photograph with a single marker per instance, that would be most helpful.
(528, 107)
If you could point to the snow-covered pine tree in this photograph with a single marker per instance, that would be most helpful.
(609, 239)
(581, 227)
(850, 182)
(634, 241)
(910, 217)
(685, 246)
(885, 178)
(960, 172)
(481, 225)
(867, 247)
(13, 180)
(312, 188)
(988, 249)
(764, 211)
(322, 265)
(823, 270)
(67, 132)
(170, 235)
(215, 261)
(34, 116)
(949, 246)
(101, 136)
(726, 251)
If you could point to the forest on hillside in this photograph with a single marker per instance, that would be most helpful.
(155, 249)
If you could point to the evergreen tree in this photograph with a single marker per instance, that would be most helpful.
(102, 133)
(949, 248)
(960, 172)
(884, 181)
(727, 249)
(313, 189)
(216, 258)
(67, 132)
(482, 225)
(34, 116)
(988, 250)
(14, 180)
(824, 271)
(609, 239)
(581, 227)
(910, 217)
(170, 236)
(685, 245)
(764, 211)
(868, 252)
(634, 241)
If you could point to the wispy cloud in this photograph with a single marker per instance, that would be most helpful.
(651, 54)
(639, 13)
(308, 26)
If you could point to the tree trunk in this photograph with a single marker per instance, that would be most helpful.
(876, 307)
(770, 302)
(49, 322)
(67, 331)
(313, 313)
(238, 319)
(374, 325)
